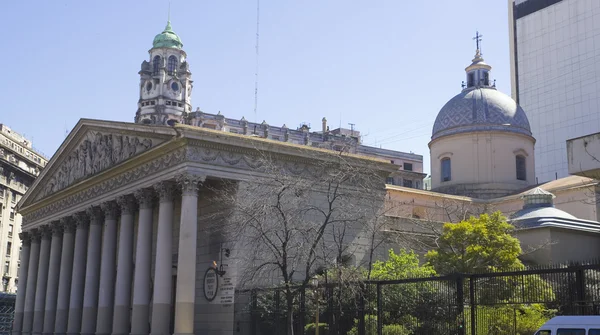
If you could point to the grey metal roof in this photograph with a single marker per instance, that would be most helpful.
(480, 109)
(540, 217)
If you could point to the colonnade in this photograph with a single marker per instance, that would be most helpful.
(77, 278)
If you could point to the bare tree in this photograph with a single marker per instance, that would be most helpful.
(297, 218)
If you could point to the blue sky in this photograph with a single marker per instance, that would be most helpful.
(387, 66)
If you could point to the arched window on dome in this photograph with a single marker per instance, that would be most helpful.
(156, 64)
(521, 167)
(446, 169)
(172, 64)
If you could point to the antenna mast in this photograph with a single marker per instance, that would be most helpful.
(256, 69)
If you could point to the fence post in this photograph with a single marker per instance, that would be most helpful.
(379, 310)
(461, 303)
(580, 284)
(277, 316)
(473, 304)
(330, 310)
(253, 311)
(361, 309)
(302, 316)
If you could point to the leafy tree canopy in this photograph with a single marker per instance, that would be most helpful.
(403, 265)
(478, 244)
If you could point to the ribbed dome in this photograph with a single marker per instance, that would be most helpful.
(480, 109)
(167, 39)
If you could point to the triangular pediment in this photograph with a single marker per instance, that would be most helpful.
(91, 148)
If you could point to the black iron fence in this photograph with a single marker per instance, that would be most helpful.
(7, 312)
(464, 304)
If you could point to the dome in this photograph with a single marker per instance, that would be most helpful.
(167, 39)
(480, 108)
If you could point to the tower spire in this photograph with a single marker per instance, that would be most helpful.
(169, 13)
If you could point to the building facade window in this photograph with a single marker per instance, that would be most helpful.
(10, 230)
(446, 169)
(407, 183)
(521, 167)
(8, 248)
(12, 214)
(156, 64)
(14, 196)
(172, 64)
(408, 166)
(6, 267)
(389, 180)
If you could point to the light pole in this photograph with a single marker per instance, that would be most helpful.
(315, 284)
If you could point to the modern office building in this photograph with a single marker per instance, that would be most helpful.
(19, 166)
(555, 70)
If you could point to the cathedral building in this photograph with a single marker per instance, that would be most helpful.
(116, 230)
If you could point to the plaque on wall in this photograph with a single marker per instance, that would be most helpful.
(211, 284)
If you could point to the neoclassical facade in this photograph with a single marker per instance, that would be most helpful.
(114, 240)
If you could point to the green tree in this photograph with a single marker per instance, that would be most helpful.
(420, 307)
(403, 265)
(477, 244)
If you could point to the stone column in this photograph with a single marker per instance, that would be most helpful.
(53, 277)
(186, 264)
(163, 286)
(66, 271)
(106, 296)
(140, 313)
(42, 281)
(78, 278)
(22, 286)
(92, 272)
(122, 313)
(31, 281)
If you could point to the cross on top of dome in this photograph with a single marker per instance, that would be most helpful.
(478, 38)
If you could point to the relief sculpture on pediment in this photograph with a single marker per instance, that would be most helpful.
(96, 153)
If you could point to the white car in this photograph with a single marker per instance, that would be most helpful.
(571, 325)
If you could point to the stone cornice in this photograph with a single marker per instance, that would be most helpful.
(140, 171)
(126, 171)
(211, 153)
(78, 134)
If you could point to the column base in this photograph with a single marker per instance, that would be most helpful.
(62, 319)
(104, 321)
(88, 320)
(161, 325)
(121, 320)
(140, 320)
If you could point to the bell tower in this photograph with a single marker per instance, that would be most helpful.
(165, 82)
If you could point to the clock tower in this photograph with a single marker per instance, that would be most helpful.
(165, 82)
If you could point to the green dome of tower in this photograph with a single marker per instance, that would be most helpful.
(167, 39)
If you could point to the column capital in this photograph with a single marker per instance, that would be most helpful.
(95, 214)
(145, 197)
(57, 228)
(126, 204)
(45, 232)
(189, 183)
(25, 238)
(110, 209)
(68, 224)
(82, 220)
(35, 235)
(165, 189)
